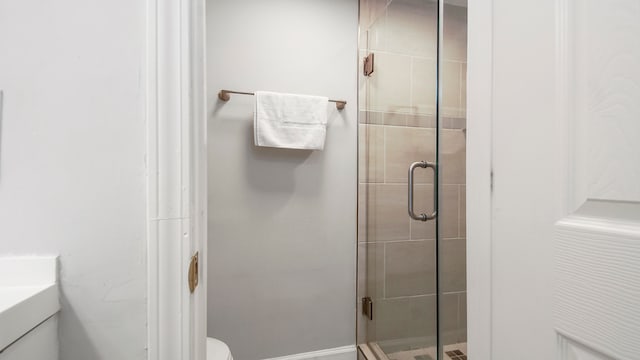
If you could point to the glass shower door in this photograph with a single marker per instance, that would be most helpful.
(452, 312)
(398, 127)
(412, 273)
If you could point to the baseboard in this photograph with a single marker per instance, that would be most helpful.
(340, 353)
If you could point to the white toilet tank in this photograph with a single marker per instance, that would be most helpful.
(217, 350)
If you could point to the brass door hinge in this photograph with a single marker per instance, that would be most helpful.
(193, 273)
(367, 307)
(368, 65)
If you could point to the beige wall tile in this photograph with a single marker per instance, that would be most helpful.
(405, 145)
(453, 268)
(410, 268)
(389, 86)
(371, 153)
(398, 119)
(463, 90)
(371, 264)
(377, 34)
(375, 269)
(386, 212)
(462, 314)
(412, 27)
(453, 123)
(371, 117)
(423, 86)
(423, 203)
(406, 317)
(455, 33)
(449, 318)
(448, 217)
(450, 83)
(428, 121)
(362, 212)
(371, 11)
(453, 156)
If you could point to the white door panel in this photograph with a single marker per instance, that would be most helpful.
(604, 87)
(598, 243)
(597, 297)
(569, 349)
(562, 273)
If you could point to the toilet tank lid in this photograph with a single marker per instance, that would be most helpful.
(217, 350)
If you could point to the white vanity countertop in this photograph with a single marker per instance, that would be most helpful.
(28, 295)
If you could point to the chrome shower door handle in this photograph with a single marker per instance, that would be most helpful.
(412, 214)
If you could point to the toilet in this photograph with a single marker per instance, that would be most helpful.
(217, 350)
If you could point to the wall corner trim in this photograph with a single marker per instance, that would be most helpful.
(176, 178)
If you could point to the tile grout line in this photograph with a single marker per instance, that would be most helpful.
(405, 297)
(419, 115)
(412, 240)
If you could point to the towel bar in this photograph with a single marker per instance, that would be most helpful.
(224, 96)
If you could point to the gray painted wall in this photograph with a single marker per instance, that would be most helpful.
(72, 163)
(282, 223)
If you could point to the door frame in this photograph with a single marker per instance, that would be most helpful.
(175, 98)
(177, 177)
(479, 177)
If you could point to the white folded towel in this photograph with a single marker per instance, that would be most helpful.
(290, 121)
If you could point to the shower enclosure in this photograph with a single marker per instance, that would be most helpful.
(411, 211)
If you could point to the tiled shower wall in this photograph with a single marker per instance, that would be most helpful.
(397, 127)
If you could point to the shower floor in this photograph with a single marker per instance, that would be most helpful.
(451, 352)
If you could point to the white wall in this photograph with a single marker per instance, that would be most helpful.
(526, 181)
(282, 223)
(72, 170)
(526, 160)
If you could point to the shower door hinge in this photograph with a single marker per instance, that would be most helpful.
(367, 307)
(368, 65)
(193, 273)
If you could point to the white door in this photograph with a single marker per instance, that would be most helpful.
(597, 307)
(562, 273)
